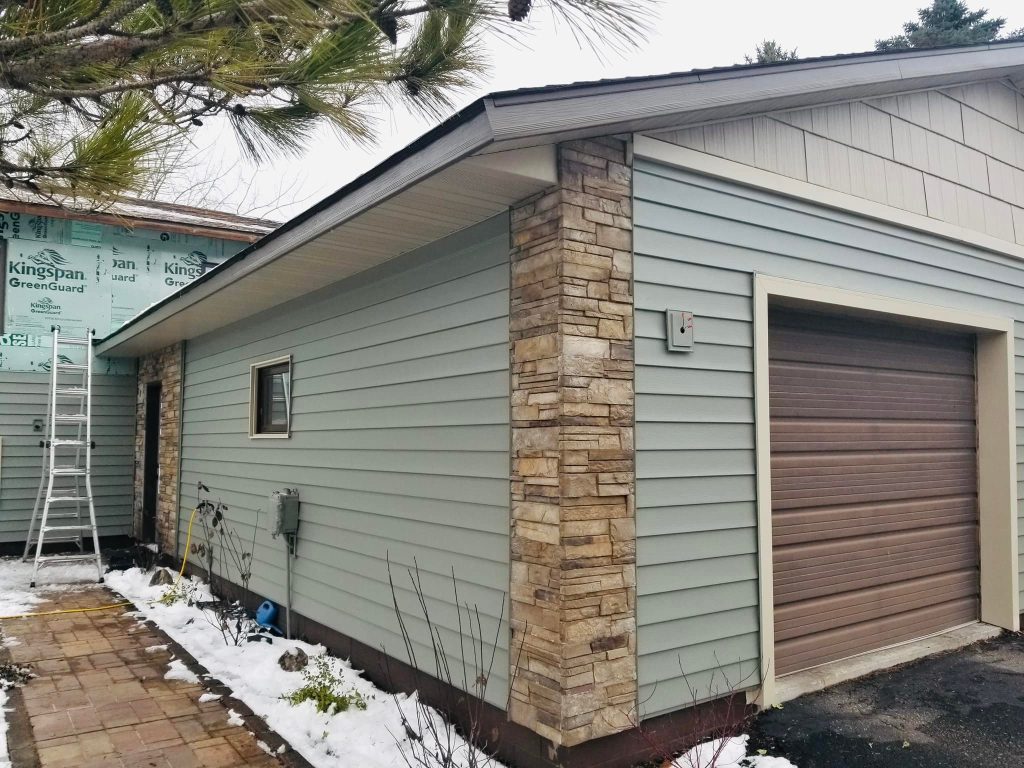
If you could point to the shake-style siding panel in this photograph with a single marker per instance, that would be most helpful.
(954, 154)
(399, 444)
(698, 243)
(22, 400)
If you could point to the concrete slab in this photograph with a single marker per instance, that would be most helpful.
(827, 675)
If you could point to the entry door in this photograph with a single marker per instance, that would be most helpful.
(874, 485)
(151, 465)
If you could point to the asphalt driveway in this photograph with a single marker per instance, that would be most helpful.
(957, 710)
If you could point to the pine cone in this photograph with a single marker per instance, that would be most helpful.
(518, 10)
(388, 24)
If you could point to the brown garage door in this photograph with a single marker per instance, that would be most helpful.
(874, 485)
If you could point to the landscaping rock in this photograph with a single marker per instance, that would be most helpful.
(293, 660)
(161, 577)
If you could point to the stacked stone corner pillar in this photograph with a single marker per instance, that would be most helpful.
(573, 596)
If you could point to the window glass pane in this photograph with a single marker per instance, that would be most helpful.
(272, 398)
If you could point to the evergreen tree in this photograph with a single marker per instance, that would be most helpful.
(93, 93)
(769, 52)
(948, 22)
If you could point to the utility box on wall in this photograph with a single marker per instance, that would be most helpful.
(679, 330)
(284, 512)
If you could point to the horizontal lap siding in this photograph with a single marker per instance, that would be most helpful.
(23, 399)
(698, 243)
(399, 446)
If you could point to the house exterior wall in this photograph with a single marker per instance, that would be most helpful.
(698, 243)
(79, 274)
(23, 400)
(955, 155)
(163, 367)
(399, 444)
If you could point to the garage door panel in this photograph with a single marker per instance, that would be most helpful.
(842, 497)
(833, 611)
(856, 479)
(813, 524)
(837, 435)
(822, 348)
(843, 642)
(874, 484)
(823, 583)
(791, 378)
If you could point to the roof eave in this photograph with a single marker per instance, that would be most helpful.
(464, 136)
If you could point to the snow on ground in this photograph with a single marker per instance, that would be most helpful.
(15, 595)
(352, 739)
(177, 670)
(356, 738)
(728, 753)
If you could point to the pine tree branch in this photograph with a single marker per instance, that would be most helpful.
(99, 26)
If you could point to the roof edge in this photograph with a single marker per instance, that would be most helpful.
(319, 216)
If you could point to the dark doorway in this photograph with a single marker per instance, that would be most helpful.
(151, 465)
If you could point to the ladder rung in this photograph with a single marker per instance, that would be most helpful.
(69, 418)
(73, 340)
(59, 443)
(72, 366)
(65, 471)
(48, 528)
(72, 391)
(55, 499)
(48, 559)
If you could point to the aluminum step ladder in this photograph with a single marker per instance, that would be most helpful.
(65, 482)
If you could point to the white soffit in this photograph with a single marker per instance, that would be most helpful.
(451, 200)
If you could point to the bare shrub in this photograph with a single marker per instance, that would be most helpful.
(431, 738)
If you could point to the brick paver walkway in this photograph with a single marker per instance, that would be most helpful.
(101, 699)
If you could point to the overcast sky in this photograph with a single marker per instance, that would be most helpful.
(686, 35)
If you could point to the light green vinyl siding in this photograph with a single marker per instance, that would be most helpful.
(698, 243)
(23, 399)
(399, 446)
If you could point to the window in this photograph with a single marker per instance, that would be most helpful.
(271, 398)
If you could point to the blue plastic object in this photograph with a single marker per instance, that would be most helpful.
(266, 615)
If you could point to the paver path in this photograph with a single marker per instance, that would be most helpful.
(101, 698)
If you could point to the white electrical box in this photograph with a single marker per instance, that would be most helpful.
(679, 327)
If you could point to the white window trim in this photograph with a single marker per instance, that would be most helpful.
(254, 400)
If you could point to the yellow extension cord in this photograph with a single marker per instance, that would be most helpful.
(181, 573)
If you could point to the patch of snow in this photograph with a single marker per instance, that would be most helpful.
(152, 548)
(352, 739)
(156, 648)
(728, 753)
(234, 718)
(177, 670)
(15, 595)
(208, 697)
(263, 745)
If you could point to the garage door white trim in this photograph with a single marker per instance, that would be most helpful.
(997, 452)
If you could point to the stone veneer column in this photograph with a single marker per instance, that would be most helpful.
(164, 367)
(573, 593)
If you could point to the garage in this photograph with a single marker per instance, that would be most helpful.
(874, 485)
